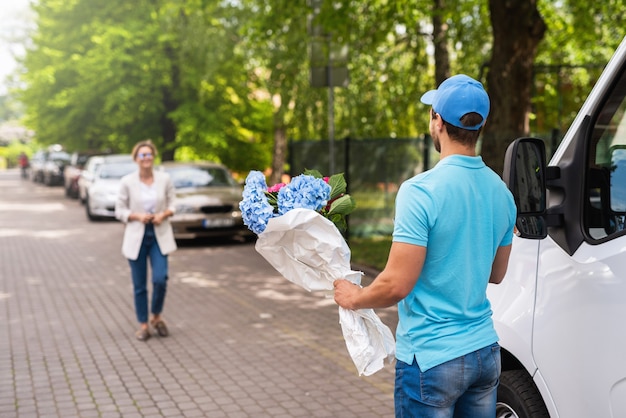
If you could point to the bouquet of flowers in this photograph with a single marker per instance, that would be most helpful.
(298, 227)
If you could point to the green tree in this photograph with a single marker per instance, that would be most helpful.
(566, 68)
(107, 74)
(229, 81)
(275, 41)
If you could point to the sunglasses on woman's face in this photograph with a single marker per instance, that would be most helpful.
(144, 155)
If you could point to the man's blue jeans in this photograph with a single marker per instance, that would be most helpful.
(464, 387)
(139, 272)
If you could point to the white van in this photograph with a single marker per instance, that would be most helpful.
(561, 310)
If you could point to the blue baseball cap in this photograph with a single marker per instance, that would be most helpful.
(457, 96)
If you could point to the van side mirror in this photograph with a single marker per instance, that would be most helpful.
(524, 174)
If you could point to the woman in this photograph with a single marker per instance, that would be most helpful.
(145, 202)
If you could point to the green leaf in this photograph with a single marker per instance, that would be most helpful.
(342, 206)
(313, 173)
(339, 221)
(338, 185)
(272, 199)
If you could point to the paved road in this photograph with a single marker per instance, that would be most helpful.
(244, 342)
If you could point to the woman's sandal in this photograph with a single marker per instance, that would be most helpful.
(161, 328)
(143, 335)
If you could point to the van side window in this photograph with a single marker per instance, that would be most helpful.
(605, 203)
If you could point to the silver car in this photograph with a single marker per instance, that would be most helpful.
(102, 192)
(87, 175)
(207, 201)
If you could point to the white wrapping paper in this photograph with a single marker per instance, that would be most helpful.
(308, 250)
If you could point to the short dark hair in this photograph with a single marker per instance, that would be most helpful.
(465, 136)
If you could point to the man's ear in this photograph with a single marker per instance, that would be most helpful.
(439, 125)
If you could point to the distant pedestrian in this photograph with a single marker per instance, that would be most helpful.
(24, 163)
(452, 236)
(145, 203)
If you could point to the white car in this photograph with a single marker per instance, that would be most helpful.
(92, 164)
(102, 193)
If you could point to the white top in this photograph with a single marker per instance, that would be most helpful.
(149, 197)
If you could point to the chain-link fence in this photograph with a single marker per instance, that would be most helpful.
(373, 168)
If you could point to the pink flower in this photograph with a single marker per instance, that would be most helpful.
(326, 179)
(275, 188)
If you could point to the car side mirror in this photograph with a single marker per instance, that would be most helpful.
(524, 174)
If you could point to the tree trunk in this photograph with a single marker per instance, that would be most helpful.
(168, 131)
(517, 30)
(280, 151)
(170, 104)
(440, 43)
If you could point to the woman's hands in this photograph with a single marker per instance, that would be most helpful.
(153, 218)
(158, 218)
(144, 218)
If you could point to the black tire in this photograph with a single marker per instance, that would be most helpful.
(518, 397)
(90, 215)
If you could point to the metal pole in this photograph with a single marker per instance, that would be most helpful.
(346, 169)
(331, 129)
(331, 114)
(426, 152)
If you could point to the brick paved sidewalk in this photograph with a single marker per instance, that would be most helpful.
(244, 342)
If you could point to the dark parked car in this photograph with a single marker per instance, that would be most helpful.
(72, 172)
(53, 167)
(207, 201)
(36, 166)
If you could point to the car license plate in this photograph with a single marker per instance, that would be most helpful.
(218, 223)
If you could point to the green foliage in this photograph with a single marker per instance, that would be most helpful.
(107, 74)
(9, 109)
(370, 252)
(566, 67)
(213, 80)
(11, 152)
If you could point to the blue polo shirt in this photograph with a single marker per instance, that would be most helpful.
(461, 211)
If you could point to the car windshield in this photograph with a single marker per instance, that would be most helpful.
(59, 156)
(116, 170)
(81, 159)
(200, 177)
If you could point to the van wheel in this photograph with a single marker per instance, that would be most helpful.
(518, 397)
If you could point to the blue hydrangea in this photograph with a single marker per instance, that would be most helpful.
(255, 209)
(305, 192)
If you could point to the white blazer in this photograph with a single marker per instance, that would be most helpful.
(129, 200)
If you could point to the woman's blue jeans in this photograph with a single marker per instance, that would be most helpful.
(139, 272)
(464, 387)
